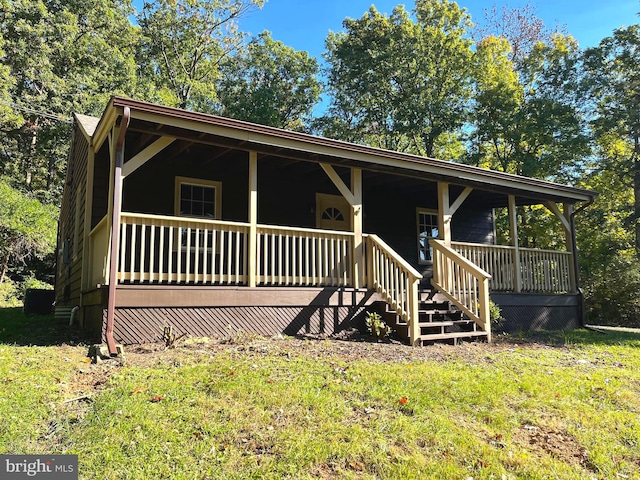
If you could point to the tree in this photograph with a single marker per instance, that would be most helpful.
(614, 80)
(528, 120)
(269, 83)
(400, 83)
(610, 271)
(184, 43)
(62, 57)
(519, 26)
(27, 228)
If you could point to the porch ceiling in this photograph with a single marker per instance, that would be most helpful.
(198, 131)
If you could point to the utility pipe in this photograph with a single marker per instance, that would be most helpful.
(72, 315)
(115, 231)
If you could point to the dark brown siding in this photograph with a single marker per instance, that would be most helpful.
(101, 170)
(71, 225)
(150, 189)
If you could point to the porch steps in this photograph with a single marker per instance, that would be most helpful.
(440, 321)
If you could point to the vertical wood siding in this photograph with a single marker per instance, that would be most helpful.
(71, 225)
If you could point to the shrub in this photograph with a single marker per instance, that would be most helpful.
(376, 326)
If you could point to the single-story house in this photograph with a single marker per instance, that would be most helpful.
(209, 225)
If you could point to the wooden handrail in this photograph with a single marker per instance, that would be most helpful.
(396, 281)
(463, 283)
(540, 271)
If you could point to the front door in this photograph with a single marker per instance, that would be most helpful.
(333, 212)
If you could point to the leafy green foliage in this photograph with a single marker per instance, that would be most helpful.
(527, 120)
(269, 83)
(376, 326)
(614, 83)
(184, 43)
(27, 227)
(61, 57)
(400, 83)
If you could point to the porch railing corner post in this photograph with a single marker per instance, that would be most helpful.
(368, 249)
(414, 314)
(253, 220)
(485, 307)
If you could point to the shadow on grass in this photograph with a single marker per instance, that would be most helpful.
(16, 328)
(582, 336)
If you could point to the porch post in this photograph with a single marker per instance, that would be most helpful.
(116, 191)
(513, 230)
(444, 213)
(356, 221)
(253, 218)
(570, 239)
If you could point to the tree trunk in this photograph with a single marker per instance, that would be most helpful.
(28, 164)
(636, 191)
(3, 267)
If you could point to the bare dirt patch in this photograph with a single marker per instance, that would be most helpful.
(346, 347)
(560, 445)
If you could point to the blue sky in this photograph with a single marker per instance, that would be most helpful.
(304, 24)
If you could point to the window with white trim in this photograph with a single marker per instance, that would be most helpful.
(427, 229)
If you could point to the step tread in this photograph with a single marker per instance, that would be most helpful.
(444, 336)
(436, 324)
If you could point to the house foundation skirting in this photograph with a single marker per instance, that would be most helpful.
(530, 311)
(146, 324)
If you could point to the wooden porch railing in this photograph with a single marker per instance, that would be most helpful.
(542, 271)
(169, 250)
(164, 249)
(395, 280)
(301, 256)
(462, 282)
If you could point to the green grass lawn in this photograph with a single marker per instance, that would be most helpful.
(558, 405)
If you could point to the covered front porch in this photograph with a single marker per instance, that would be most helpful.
(157, 250)
(281, 210)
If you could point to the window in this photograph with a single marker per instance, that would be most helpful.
(332, 213)
(197, 198)
(427, 229)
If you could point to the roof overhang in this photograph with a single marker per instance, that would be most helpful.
(253, 137)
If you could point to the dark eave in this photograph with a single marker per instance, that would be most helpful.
(205, 128)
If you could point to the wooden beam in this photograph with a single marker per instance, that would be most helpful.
(513, 229)
(219, 154)
(569, 235)
(145, 155)
(556, 211)
(356, 221)
(444, 213)
(340, 185)
(460, 200)
(253, 217)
